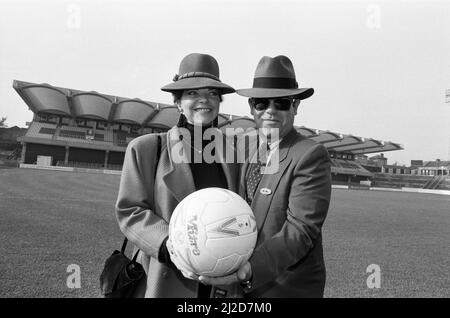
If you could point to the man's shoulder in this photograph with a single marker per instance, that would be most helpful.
(302, 145)
(303, 141)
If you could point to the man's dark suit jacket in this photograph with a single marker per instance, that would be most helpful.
(290, 211)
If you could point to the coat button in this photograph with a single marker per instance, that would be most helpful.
(165, 274)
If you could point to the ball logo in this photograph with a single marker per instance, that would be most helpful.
(192, 232)
(236, 226)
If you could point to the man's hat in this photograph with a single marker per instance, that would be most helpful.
(198, 71)
(275, 77)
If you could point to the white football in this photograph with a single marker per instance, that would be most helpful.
(212, 232)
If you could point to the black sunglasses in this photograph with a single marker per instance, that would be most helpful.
(282, 104)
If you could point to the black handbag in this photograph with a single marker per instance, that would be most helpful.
(121, 276)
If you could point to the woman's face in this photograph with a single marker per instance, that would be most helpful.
(200, 106)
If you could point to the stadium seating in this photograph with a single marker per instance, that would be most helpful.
(372, 168)
(385, 180)
(348, 167)
(444, 184)
(73, 132)
(41, 130)
(77, 134)
(123, 138)
(120, 138)
(46, 130)
(109, 136)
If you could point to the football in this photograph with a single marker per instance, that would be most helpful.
(212, 232)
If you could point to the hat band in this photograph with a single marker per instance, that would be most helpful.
(195, 74)
(274, 82)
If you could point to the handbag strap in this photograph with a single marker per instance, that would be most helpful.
(158, 154)
(124, 245)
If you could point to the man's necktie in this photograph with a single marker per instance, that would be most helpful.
(254, 173)
(253, 178)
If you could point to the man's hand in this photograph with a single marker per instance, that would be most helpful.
(242, 274)
(178, 263)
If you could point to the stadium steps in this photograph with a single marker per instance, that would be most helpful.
(15, 154)
(434, 182)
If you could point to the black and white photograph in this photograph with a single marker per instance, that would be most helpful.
(247, 150)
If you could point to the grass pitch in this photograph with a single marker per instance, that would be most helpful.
(52, 220)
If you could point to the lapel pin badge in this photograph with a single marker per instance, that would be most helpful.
(265, 191)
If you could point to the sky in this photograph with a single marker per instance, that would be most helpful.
(380, 69)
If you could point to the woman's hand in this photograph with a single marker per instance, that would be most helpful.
(178, 263)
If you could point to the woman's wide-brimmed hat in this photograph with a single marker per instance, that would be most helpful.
(275, 77)
(198, 71)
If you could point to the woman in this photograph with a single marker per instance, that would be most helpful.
(149, 194)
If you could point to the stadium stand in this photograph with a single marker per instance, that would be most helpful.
(92, 130)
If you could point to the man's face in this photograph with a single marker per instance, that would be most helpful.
(276, 113)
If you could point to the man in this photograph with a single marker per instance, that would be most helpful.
(290, 205)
